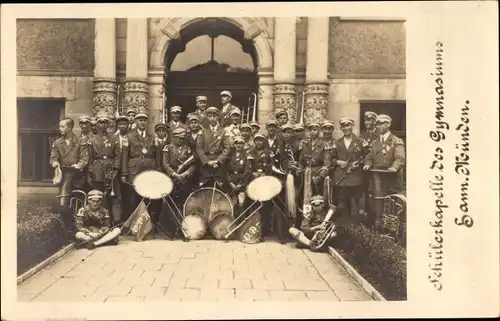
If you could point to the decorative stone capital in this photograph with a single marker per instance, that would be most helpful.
(316, 102)
(104, 96)
(136, 95)
(285, 99)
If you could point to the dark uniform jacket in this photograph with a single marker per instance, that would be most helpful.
(86, 138)
(248, 145)
(287, 154)
(238, 168)
(174, 156)
(260, 161)
(104, 155)
(161, 143)
(170, 128)
(134, 161)
(354, 153)
(369, 137)
(66, 155)
(225, 115)
(89, 221)
(317, 154)
(212, 146)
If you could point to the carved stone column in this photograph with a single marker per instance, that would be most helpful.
(285, 40)
(136, 88)
(316, 89)
(265, 106)
(104, 86)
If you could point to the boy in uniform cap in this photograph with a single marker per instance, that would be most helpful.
(299, 133)
(85, 135)
(281, 117)
(317, 154)
(131, 113)
(261, 160)
(233, 130)
(255, 127)
(238, 173)
(212, 149)
(104, 163)
(93, 125)
(121, 138)
(312, 222)
(139, 154)
(195, 130)
(227, 108)
(387, 153)
(246, 134)
(369, 135)
(272, 139)
(161, 130)
(179, 164)
(93, 223)
(201, 107)
(69, 153)
(348, 154)
(175, 122)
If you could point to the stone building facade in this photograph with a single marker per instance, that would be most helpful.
(342, 65)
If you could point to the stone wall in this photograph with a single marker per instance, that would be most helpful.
(55, 44)
(77, 91)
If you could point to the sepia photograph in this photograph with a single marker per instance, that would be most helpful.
(209, 159)
(249, 160)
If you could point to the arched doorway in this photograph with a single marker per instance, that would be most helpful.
(209, 56)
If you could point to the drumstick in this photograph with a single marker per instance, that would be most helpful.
(213, 196)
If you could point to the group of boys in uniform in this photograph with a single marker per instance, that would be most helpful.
(214, 145)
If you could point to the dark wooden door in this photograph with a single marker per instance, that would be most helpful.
(183, 87)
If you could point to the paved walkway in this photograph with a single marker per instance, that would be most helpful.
(204, 270)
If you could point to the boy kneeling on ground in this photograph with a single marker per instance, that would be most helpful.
(313, 220)
(93, 223)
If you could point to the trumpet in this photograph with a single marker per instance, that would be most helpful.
(110, 181)
(326, 232)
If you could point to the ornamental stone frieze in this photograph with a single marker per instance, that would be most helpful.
(136, 95)
(104, 96)
(316, 103)
(284, 96)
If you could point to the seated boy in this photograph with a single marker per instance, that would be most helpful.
(93, 223)
(313, 220)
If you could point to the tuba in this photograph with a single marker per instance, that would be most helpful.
(326, 232)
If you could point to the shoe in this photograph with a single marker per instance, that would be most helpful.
(282, 241)
(90, 245)
(114, 241)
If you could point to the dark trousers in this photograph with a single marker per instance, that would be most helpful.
(348, 199)
(381, 185)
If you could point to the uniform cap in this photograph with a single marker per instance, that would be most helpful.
(317, 199)
(271, 122)
(370, 115)
(286, 126)
(245, 125)
(259, 135)
(141, 115)
(201, 98)
(345, 121)
(227, 93)
(236, 111)
(130, 110)
(179, 132)
(212, 109)
(298, 127)
(313, 124)
(191, 117)
(176, 109)
(383, 119)
(160, 125)
(84, 119)
(95, 194)
(281, 112)
(121, 117)
(238, 139)
(254, 124)
(93, 121)
(327, 124)
(102, 118)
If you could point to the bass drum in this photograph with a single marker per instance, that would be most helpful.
(210, 203)
(194, 226)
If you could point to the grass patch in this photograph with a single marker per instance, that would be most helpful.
(378, 259)
(40, 230)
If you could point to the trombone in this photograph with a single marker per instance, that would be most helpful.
(251, 107)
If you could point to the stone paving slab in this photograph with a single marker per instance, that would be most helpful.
(204, 270)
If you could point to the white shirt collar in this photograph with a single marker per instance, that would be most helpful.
(385, 136)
